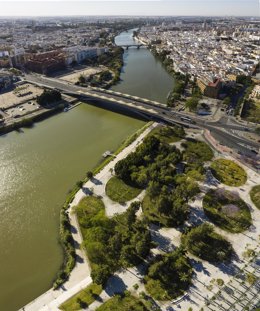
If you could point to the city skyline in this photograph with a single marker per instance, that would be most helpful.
(131, 8)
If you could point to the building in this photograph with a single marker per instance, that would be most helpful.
(210, 89)
(213, 88)
(45, 63)
(77, 54)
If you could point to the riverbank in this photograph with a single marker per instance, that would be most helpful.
(66, 234)
(81, 273)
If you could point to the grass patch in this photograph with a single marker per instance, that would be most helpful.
(205, 243)
(227, 210)
(255, 196)
(119, 191)
(228, 172)
(169, 276)
(118, 303)
(111, 243)
(168, 134)
(83, 299)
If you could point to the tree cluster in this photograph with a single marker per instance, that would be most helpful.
(113, 242)
(49, 97)
(204, 242)
(153, 166)
(169, 276)
(152, 161)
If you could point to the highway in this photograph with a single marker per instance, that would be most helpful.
(220, 130)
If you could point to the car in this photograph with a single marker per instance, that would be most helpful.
(169, 308)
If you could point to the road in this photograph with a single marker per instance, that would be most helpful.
(220, 130)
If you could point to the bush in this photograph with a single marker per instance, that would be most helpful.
(206, 244)
(228, 172)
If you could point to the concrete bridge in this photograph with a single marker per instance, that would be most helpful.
(127, 46)
(149, 109)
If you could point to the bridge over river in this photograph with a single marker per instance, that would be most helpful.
(149, 109)
(127, 46)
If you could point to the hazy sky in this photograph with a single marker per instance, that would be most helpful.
(126, 7)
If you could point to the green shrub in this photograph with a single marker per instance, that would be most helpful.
(228, 172)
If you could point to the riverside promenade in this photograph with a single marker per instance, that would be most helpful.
(80, 275)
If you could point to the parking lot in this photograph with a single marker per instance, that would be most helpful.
(22, 93)
(21, 110)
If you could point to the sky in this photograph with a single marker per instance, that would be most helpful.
(132, 7)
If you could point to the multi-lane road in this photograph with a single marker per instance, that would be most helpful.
(226, 130)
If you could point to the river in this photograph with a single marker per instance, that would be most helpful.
(39, 166)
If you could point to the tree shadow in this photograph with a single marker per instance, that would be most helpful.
(164, 243)
(96, 181)
(188, 298)
(198, 267)
(97, 298)
(197, 216)
(76, 244)
(228, 268)
(79, 259)
(87, 191)
(73, 229)
(115, 285)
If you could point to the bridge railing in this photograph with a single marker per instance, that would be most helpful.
(136, 98)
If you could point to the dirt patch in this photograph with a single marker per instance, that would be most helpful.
(231, 210)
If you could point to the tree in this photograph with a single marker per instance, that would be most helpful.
(227, 101)
(164, 205)
(192, 103)
(89, 175)
(48, 97)
(82, 79)
(80, 183)
(154, 189)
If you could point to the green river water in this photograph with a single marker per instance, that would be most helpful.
(39, 166)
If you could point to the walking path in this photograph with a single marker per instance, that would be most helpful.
(97, 184)
(80, 275)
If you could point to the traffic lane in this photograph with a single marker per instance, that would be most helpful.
(222, 140)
